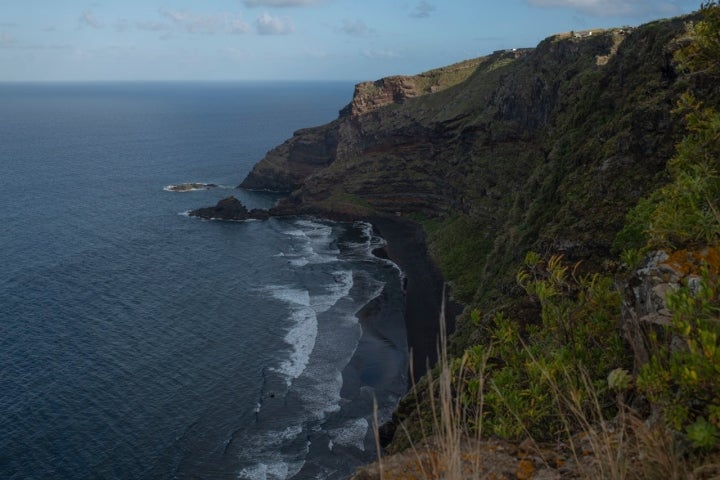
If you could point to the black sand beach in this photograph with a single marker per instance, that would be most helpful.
(423, 288)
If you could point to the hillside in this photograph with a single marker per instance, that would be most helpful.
(548, 150)
(545, 148)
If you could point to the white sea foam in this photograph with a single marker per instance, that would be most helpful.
(352, 434)
(323, 396)
(335, 291)
(271, 464)
(265, 471)
(299, 262)
(295, 233)
(316, 243)
(302, 339)
(304, 309)
(293, 296)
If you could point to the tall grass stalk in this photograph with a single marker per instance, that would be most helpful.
(450, 422)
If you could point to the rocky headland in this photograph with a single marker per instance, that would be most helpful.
(229, 208)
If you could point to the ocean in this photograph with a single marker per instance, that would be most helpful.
(137, 342)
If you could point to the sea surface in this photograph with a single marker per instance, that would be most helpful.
(138, 342)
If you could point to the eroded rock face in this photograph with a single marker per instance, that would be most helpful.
(311, 150)
(370, 96)
(285, 167)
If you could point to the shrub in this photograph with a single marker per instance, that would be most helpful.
(577, 338)
(684, 377)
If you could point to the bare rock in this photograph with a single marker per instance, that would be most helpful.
(229, 208)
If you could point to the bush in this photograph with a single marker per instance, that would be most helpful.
(684, 377)
(576, 339)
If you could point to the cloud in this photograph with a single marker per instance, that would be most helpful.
(356, 27)
(608, 8)
(199, 23)
(6, 40)
(281, 3)
(88, 18)
(381, 54)
(149, 26)
(422, 10)
(266, 24)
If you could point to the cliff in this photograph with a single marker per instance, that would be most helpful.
(543, 148)
(310, 150)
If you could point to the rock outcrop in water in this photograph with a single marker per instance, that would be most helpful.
(189, 187)
(229, 208)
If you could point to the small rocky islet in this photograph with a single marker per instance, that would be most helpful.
(190, 187)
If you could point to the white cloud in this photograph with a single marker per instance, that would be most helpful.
(153, 26)
(355, 27)
(6, 40)
(422, 10)
(281, 3)
(607, 8)
(88, 18)
(199, 23)
(380, 54)
(268, 25)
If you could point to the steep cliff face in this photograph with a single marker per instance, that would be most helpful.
(543, 148)
(285, 168)
(370, 96)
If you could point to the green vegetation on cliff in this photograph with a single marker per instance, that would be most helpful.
(556, 370)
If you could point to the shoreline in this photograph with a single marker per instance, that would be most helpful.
(423, 289)
(423, 283)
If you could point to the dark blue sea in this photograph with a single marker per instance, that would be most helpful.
(139, 343)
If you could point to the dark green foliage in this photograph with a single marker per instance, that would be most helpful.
(685, 379)
(577, 340)
(687, 210)
(701, 56)
(460, 248)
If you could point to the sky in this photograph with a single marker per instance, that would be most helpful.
(235, 40)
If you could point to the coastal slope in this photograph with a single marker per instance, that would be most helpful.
(544, 148)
